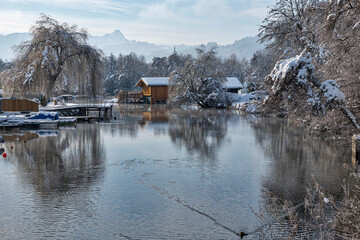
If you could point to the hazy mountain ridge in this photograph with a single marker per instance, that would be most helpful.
(8, 42)
(117, 43)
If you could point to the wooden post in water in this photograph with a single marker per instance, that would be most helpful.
(355, 150)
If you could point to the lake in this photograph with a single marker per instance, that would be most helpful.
(150, 173)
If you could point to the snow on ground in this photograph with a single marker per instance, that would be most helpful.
(114, 100)
(247, 102)
(190, 107)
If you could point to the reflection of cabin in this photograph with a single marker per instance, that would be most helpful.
(18, 105)
(155, 116)
(154, 89)
(232, 84)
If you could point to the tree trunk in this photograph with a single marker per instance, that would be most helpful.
(48, 91)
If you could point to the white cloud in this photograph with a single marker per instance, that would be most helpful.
(256, 12)
(16, 21)
(164, 22)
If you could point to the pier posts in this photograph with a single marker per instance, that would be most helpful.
(355, 150)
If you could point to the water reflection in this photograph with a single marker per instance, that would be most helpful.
(60, 161)
(202, 133)
(296, 158)
(168, 174)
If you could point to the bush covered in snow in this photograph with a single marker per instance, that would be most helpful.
(292, 86)
(295, 89)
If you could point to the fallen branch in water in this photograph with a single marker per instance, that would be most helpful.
(350, 116)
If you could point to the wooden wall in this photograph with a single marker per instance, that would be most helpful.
(18, 105)
(159, 94)
(146, 90)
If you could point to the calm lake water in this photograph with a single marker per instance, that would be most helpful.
(157, 174)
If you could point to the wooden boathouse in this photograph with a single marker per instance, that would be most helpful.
(154, 89)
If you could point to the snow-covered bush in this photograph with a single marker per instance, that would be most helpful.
(294, 88)
(291, 85)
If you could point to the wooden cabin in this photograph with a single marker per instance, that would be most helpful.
(154, 89)
(232, 84)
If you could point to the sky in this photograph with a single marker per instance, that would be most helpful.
(166, 22)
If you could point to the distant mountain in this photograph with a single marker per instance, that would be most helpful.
(116, 43)
(7, 42)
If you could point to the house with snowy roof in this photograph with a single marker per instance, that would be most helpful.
(232, 84)
(154, 89)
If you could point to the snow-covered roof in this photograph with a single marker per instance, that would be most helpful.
(232, 82)
(229, 83)
(154, 81)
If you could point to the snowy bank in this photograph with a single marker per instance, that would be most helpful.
(248, 102)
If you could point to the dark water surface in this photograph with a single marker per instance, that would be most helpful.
(157, 175)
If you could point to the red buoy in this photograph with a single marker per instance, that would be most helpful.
(4, 155)
(11, 147)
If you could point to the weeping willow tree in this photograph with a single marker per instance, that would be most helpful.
(58, 58)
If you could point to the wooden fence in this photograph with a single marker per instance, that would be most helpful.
(130, 96)
(18, 105)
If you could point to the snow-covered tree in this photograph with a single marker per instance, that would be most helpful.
(328, 32)
(291, 85)
(131, 69)
(4, 65)
(260, 65)
(232, 67)
(176, 61)
(124, 72)
(54, 50)
(341, 36)
(199, 82)
(111, 83)
(159, 67)
(285, 29)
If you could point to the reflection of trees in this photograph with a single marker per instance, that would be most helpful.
(125, 120)
(129, 118)
(58, 163)
(200, 133)
(295, 157)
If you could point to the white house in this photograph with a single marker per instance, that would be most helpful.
(232, 84)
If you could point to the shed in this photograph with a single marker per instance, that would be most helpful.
(154, 89)
(232, 84)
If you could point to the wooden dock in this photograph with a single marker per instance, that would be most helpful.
(82, 111)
